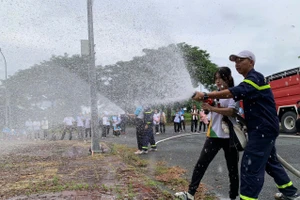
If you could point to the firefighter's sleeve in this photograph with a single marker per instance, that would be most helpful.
(244, 90)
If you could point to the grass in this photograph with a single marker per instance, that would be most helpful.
(167, 179)
(128, 156)
(131, 174)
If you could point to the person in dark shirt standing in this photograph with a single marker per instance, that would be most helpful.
(263, 129)
(148, 131)
(194, 119)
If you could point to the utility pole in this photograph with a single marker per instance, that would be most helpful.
(95, 147)
(7, 124)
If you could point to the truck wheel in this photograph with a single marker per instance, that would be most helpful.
(288, 122)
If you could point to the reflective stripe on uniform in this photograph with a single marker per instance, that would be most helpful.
(285, 185)
(149, 112)
(263, 87)
(247, 198)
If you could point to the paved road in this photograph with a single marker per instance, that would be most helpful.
(184, 152)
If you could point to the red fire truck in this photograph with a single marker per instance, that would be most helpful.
(286, 89)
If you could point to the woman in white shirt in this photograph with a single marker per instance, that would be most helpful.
(217, 139)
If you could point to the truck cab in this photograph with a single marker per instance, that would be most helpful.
(286, 89)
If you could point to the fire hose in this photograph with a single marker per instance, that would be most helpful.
(284, 163)
(281, 160)
(288, 166)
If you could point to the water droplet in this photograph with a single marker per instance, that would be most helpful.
(249, 161)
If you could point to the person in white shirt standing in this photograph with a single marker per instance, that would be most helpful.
(68, 126)
(87, 126)
(45, 127)
(105, 125)
(29, 128)
(36, 129)
(217, 139)
(177, 122)
(156, 121)
(80, 126)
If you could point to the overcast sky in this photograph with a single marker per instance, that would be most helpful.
(33, 30)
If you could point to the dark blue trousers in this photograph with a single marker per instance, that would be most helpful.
(140, 129)
(149, 138)
(260, 156)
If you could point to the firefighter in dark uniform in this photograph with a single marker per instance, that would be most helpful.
(139, 121)
(148, 134)
(262, 127)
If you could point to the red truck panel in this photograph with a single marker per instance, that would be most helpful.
(286, 90)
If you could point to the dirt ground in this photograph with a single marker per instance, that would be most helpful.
(66, 170)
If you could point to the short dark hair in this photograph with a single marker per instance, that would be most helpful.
(298, 102)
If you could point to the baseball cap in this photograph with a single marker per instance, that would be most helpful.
(243, 54)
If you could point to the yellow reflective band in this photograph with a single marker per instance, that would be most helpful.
(246, 198)
(285, 185)
(264, 87)
(148, 112)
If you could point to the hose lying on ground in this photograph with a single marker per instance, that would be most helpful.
(288, 166)
(281, 160)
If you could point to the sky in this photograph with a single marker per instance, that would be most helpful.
(31, 31)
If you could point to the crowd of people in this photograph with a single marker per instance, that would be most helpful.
(115, 122)
(35, 128)
(79, 125)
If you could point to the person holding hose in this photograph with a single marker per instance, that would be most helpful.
(216, 140)
(263, 129)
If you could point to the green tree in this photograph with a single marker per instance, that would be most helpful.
(198, 63)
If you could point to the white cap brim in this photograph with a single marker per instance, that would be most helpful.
(233, 57)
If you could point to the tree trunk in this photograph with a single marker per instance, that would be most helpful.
(169, 113)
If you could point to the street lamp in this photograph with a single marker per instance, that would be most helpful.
(6, 94)
(95, 147)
